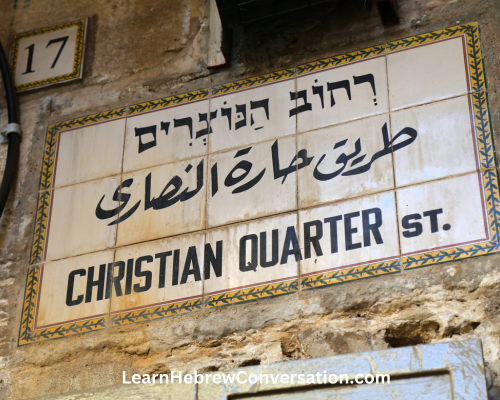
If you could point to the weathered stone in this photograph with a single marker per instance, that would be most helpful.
(140, 51)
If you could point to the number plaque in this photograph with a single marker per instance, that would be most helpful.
(48, 56)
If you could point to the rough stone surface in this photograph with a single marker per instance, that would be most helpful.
(140, 51)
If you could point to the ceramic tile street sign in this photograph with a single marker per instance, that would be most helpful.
(48, 56)
(347, 168)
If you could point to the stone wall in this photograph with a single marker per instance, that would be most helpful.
(140, 51)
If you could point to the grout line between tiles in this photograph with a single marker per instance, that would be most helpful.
(400, 255)
(118, 216)
(297, 197)
(207, 194)
(437, 101)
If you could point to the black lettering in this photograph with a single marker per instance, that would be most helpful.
(331, 86)
(226, 112)
(109, 281)
(215, 179)
(274, 249)
(163, 267)
(334, 241)
(368, 78)
(175, 269)
(130, 275)
(373, 228)
(139, 132)
(99, 283)
(185, 122)
(164, 126)
(241, 109)
(139, 273)
(61, 39)
(432, 214)
(117, 279)
(417, 226)
(302, 108)
(71, 283)
(349, 231)
(191, 259)
(290, 240)
(204, 118)
(213, 260)
(120, 197)
(252, 265)
(312, 240)
(318, 90)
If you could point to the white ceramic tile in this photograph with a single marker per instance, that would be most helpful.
(252, 166)
(455, 206)
(364, 99)
(44, 55)
(183, 124)
(73, 226)
(252, 115)
(63, 295)
(244, 262)
(332, 146)
(157, 272)
(90, 152)
(175, 204)
(444, 144)
(348, 233)
(425, 73)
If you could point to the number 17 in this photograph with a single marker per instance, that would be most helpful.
(31, 50)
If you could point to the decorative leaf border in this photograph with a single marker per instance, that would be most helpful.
(43, 204)
(350, 274)
(168, 101)
(254, 81)
(77, 62)
(252, 293)
(156, 312)
(341, 59)
(197, 304)
(28, 335)
(488, 175)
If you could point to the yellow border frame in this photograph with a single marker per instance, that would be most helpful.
(27, 333)
(326, 278)
(77, 62)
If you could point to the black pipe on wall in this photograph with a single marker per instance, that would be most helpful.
(13, 136)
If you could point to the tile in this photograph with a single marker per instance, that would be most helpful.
(342, 93)
(442, 213)
(166, 135)
(349, 233)
(327, 177)
(43, 56)
(251, 115)
(444, 145)
(73, 226)
(153, 273)
(433, 71)
(90, 152)
(232, 196)
(255, 253)
(65, 293)
(164, 201)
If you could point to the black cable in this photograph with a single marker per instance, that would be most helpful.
(13, 137)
